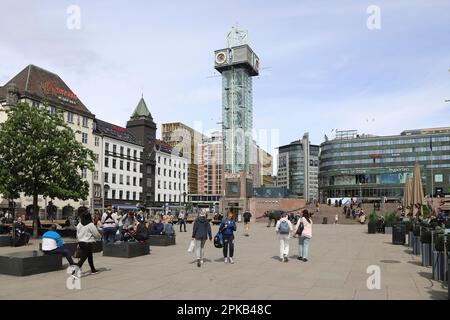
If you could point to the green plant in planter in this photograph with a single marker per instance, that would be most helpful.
(425, 212)
(372, 224)
(389, 219)
(372, 217)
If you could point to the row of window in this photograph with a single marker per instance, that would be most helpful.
(170, 185)
(385, 160)
(120, 195)
(122, 151)
(121, 165)
(128, 180)
(385, 142)
(383, 151)
(169, 172)
(168, 198)
(175, 163)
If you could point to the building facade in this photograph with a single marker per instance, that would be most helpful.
(122, 166)
(371, 167)
(37, 86)
(210, 169)
(186, 141)
(171, 176)
(298, 168)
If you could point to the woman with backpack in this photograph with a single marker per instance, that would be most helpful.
(227, 228)
(304, 232)
(284, 230)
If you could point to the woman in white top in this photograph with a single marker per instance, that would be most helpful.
(305, 237)
(87, 234)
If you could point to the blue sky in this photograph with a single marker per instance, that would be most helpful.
(325, 69)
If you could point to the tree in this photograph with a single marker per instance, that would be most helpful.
(39, 155)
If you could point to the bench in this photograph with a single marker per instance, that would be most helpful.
(126, 249)
(161, 240)
(29, 262)
(72, 246)
(5, 240)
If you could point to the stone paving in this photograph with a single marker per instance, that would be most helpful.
(339, 257)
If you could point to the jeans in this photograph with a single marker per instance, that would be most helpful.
(86, 253)
(284, 245)
(182, 223)
(303, 247)
(199, 249)
(65, 252)
(109, 235)
(228, 243)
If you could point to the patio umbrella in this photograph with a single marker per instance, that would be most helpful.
(417, 194)
(407, 193)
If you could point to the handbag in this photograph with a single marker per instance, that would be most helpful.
(191, 246)
(77, 253)
(300, 228)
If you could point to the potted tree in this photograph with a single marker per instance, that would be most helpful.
(389, 219)
(372, 224)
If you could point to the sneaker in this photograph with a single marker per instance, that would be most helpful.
(201, 261)
(95, 272)
(300, 258)
(304, 259)
(226, 260)
(231, 260)
(281, 259)
(199, 264)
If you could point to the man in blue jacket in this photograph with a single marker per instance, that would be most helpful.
(227, 228)
(52, 243)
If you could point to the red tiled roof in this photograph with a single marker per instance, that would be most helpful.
(36, 83)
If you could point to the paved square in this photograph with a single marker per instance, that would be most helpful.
(339, 257)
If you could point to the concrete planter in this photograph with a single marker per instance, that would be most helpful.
(29, 262)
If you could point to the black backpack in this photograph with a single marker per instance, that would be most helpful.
(300, 228)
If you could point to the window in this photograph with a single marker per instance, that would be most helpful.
(141, 155)
(121, 151)
(96, 157)
(159, 171)
(83, 174)
(97, 141)
(121, 179)
(184, 186)
(51, 109)
(106, 146)
(165, 172)
(170, 173)
(128, 166)
(114, 149)
(184, 165)
(84, 138)
(174, 186)
(35, 104)
(170, 162)
(159, 159)
(128, 195)
(165, 185)
(159, 197)
(174, 173)
(149, 169)
(134, 181)
(97, 191)
(113, 194)
(165, 162)
(120, 194)
(184, 175)
(128, 180)
(164, 198)
(140, 182)
(170, 185)
(85, 122)
(159, 184)
(106, 176)
(106, 162)
(438, 178)
(95, 175)
(70, 117)
(170, 198)
(134, 195)
(149, 182)
(121, 165)
(175, 198)
(114, 163)
(114, 178)
(135, 154)
(134, 167)
(128, 152)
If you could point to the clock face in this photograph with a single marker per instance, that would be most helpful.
(221, 57)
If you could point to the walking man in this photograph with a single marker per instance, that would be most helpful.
(182, 220)
(227, 228)
(247, 217)
(284, 230)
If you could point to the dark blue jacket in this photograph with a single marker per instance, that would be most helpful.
(157, 228)
(202, 229)
(227, 227)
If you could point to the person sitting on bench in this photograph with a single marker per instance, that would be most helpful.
(52, 243)
(22, 237)
(157, 228)
(141, 233)
(168, 228)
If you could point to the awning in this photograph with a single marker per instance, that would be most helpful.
(124, 207)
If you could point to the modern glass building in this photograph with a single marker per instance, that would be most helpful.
(371, 167)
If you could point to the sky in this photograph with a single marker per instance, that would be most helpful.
(322, 67)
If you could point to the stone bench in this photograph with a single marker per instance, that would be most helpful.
(161, 240)
(29, 262)
(72, 246)
(5, 240)
(126, 249)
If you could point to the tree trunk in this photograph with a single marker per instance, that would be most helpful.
(35, 216)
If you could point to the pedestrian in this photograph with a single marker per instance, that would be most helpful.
(284, 230)
(247, 217)
(227, 228)
(109, 226)
(336, 218)
(51, 211)
(182, 220)
(87, 235)
(200, 232)
(317, 208)
(305, 236)
(52, 243)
